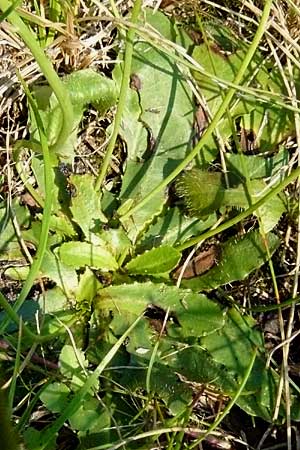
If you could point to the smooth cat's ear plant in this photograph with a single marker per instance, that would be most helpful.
(109, 257)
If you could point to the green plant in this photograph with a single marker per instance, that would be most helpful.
(111, 254)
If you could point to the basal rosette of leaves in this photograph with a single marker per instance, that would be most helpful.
(203, 342)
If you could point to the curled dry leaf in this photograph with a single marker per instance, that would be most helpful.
(135, 82)
(167, 3)
(28, 200)
(204, 261)
(201, 119)
(248, 140)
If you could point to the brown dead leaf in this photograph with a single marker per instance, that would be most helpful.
(204, 261)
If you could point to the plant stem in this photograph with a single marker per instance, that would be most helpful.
(49, 181)
(48, 71)
(281, 305)
(9, 10)
(123, 93)
(222, 109)
(13, 384)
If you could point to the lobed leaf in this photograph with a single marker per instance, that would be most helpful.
(195, 313)
(201, 345)
(85, 87)
(256, 166)
(174, 228)
(55, 397)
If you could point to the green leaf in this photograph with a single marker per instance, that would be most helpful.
(34, 440)
(265, 120)
(276, 122)
(165, 115)
(200, 344)
(90, 416)
(57, 270)
(80, 254)
(53, 268)
(32, 234)
(158, 260)
(139, 179)
(72, 365)
(90, 87)
(56, 307)
(233, 348)
(270, 212)
(85, 205)
(204, 193)
(135, 136)
(256, 166)
(239, 257)
(164, 383)
(55, 397)
(218, 357)
(9, 245)
(198, 315)
(61, 195)
(116, 241)
(87, 287)
(198, 365)
(70, 361)
(173, 228)
(60, 225)
(17, 273)
(54, 302)
(85, 87)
